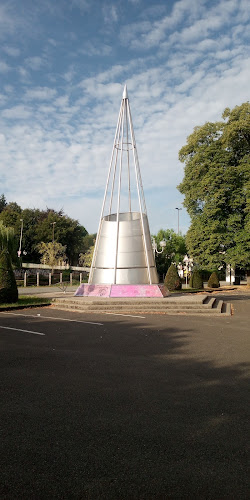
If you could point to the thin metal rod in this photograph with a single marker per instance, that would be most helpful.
(119, 198)
(104, 200)
(129, 188)
(137, 159)
(139, 196)
(116, 156)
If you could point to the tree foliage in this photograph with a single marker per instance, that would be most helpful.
(213, 281)
(172, 280)
(52, 253)
(216, 186)
(8, 287)
(196, 280)
(174, 250)
(38, 227)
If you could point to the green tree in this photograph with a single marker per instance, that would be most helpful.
(38, 226)
(85, 259)
(8, 287)
(174, 250)
(52, 253)
(216, 187)
(172, 280)
(3, 202)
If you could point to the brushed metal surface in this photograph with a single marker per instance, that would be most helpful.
(131, 254)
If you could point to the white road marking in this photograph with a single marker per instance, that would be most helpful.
(52, 317)
(19, 330)
(119, 314)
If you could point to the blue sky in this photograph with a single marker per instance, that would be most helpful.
(63, 66)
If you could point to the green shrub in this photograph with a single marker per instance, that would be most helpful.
(8, 286)
(196, 280)
(172, 280)
(213, 281)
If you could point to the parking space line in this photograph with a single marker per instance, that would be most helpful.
(19, 330)
(120, 314)
(51, 317)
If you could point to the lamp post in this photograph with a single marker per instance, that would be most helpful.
(20, 242)
(188, 262)
(176, 208)
(154, 245)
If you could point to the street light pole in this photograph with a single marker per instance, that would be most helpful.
(20, 242)
(178, 218)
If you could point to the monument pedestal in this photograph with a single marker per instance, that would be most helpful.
(122, 291)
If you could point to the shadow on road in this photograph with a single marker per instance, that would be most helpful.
(122, 411)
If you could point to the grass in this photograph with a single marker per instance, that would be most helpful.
(24, 301)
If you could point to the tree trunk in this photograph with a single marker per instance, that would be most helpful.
(248, 278)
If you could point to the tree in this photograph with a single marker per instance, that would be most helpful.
(216, 187)
(213, 281)
(37, 227)
(85, 259)
(8, 287)
(53, 253)
(174, 250)
(172, 280)
(3, 202)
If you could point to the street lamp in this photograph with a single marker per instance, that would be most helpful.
(20, 242)
(176, 208)
(154, 245)
(188, 262)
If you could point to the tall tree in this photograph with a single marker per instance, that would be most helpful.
(8, 287)
(216, 186)
(43, 225)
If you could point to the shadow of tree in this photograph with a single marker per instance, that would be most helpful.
(121, 412)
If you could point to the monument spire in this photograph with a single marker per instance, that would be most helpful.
(123, 251)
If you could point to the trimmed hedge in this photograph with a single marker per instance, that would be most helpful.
(172, 280)
(213, 281)
(196, 280)
(8, 286)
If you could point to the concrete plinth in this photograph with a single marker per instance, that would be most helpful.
(128, 291)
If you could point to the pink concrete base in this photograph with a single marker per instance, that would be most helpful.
(122, 291)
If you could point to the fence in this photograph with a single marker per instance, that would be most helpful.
(40, 278)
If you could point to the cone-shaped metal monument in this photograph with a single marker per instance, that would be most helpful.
(123, 251)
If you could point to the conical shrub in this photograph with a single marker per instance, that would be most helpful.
(196, 280)
(213, 281)
(172, 280)
(8, 286)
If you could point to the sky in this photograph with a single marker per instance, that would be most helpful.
(63, 67)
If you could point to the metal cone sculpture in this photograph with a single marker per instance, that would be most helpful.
(123, 252)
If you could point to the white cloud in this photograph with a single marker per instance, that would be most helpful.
(4, 67)
(11, 51)
(110, 14)
(40, 93)
(35, 62)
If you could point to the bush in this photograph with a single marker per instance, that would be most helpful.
(213, 281)
(196, 280)
(8, 286)
(172, 280)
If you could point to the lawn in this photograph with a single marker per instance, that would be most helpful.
(24, 301)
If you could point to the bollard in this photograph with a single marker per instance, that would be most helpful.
(37, 278)
(61, 274)
(80, 278)
(25, 279)
(70, 278)
(49, 279)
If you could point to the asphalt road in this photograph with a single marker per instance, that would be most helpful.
(124, 407)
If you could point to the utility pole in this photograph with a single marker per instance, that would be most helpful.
(178, 219)
(20, 242)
